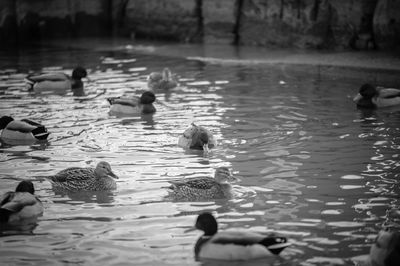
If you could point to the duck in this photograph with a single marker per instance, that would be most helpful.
(370, 96)
(22, 130)
(197, 138)
(21, 206)
(133, 105)
(204, 187)
(56, 82)
(162, 81)
(385, 251)
(234, 245)
(77, 179)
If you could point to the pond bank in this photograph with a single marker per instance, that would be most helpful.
(377, 67)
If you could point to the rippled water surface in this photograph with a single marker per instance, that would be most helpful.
(311, 166)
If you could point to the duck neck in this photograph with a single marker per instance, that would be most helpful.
(77, 87)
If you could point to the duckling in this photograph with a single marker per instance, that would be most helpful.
(370, 96)
(204, 187)
(133, 105)
(22, 130)
(162, 81)
(386, 249)
(233, 245)
(21, 206)
(58, 83)
(197, 138)
(76, 179)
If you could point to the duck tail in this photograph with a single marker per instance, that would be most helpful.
(40, 133)
(110, 100)
(275, 244)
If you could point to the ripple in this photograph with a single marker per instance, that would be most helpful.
(304, 166)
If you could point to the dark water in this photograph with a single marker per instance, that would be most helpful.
(311, 165)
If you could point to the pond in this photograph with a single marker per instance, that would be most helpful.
(311, 165)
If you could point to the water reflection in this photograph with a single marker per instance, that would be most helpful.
(98, 197)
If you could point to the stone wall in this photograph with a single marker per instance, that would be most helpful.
(331, 24)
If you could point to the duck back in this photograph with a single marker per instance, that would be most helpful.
(81, 179)
(49, 86)
(28, 213)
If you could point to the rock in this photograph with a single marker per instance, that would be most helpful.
(8, 23)
(386, 24)
(163, 19)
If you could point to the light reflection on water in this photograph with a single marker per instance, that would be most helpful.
(311, 166)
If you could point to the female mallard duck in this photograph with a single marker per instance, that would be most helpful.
(386, 249)
(22, 130)
(370, 96)
(233, 245)
(204, 187)
(162, 81)
(133, 105)
(20, 206)
(76, 179)
(59, 83)
(197, 138)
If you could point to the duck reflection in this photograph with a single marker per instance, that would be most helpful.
(99, 197)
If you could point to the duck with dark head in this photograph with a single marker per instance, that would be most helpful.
(370, 96)
(58, 82)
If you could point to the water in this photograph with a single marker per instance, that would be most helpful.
(311, 166)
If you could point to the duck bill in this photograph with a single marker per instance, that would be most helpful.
(113, 175)
(357, 98)
(191, 229)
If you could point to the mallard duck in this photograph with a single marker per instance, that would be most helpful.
(233, 245)
(59, 83)
(162, 81)
(386, 249)
(370, 96)
(22, 130)
(76, 179)
(204, 187)
(20, 206)
(133, 105)
(197, 138)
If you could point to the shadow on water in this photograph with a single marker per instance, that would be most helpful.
(98, 197)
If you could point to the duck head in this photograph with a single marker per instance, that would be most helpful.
(366, 91)
(103, 169)
(25, 186)
(200, 140)
(207, 223)
(386, 249)
(78, 73)
(4, 121)
(223, 174)
(147, 97)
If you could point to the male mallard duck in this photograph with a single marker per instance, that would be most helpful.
(22, 130)
(386, 249)
(59, 83)
(197, 138)
(233, 245)
(133, 105)
(370, 96)
(204, 187)
(90, 179)
(162, 81)
(20, 206)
